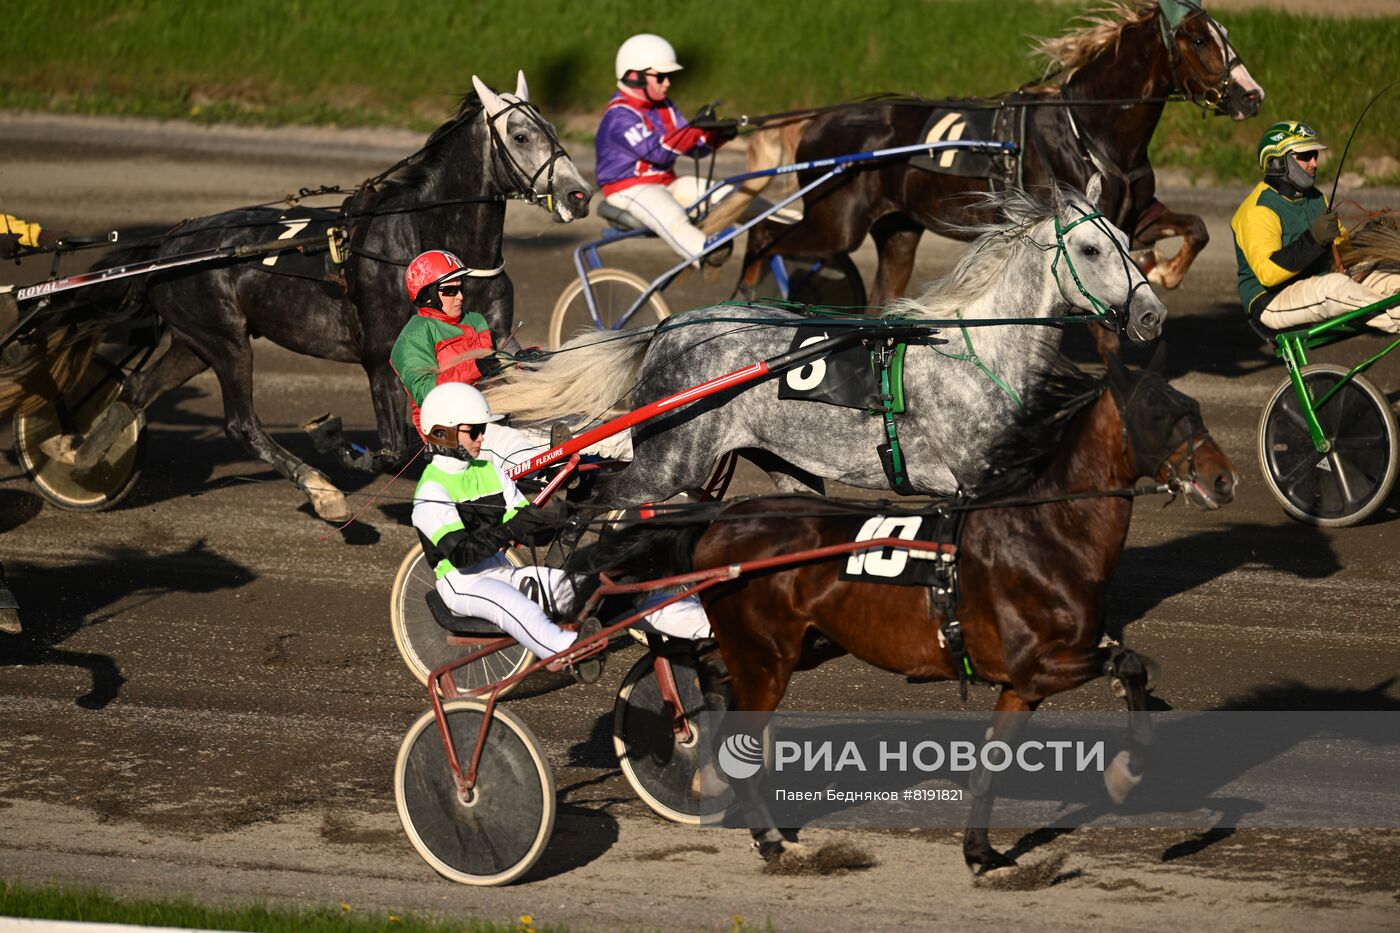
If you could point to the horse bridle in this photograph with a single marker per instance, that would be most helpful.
(1156, 441)
(1212, 93)
(525, 186)
(1119, 317)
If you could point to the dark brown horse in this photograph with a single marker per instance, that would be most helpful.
(1033, 577)
(1136, 56)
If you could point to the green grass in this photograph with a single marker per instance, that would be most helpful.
(66, 903)
(402, 62)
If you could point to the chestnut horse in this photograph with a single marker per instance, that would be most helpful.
(1115, 75)
(1034, 569)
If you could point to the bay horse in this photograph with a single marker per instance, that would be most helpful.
(961, 389)
(1035, 561)
(1097, 114)
(451, 194)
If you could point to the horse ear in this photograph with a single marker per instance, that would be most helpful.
(489, 99)
(521, 90)
(1158, 363)
(1094, 189)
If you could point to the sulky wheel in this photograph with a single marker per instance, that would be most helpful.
(1351, 480)
(106, 483)
(834, 282)
(614, 291)
(494, 835)
(422, 642)
(659, 765)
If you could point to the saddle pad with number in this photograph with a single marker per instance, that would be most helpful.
(309, 262)
(903, 566)
(948, 124)
(846, 378)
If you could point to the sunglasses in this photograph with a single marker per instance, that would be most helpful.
(1309, 156)
(450, 291)
(659, 76)
(472, 431)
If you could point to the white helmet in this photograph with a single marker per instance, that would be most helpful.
(452, 404)
(644, 51)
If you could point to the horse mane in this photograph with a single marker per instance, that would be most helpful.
(985, 259)
(424, 163)
(1024, 449)
(1101, 28)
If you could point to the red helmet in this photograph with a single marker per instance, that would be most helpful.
(431, 268)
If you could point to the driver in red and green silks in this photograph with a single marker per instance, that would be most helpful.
(442, 342)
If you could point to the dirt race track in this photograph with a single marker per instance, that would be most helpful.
(207, 700)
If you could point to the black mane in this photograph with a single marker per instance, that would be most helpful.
(1024, 449)
(418, 169)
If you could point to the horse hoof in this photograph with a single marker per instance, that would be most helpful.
(989, 864)
(1119, 778)
(328, 501)
(61, 448)
(707, 784)
(768, 851)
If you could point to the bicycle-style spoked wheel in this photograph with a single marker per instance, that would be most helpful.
(423, 643)
(1347, 483)
(112, 477)
(660, 765)
(614, 291)
(500, 829)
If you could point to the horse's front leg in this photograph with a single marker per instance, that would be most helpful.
(1164, 224)
(396, 440)
(1129, 674)
(1010, 717)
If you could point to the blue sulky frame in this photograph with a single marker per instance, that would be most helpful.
(586, 256)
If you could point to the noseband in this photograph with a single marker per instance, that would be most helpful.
(1212, 91)
(524, 185)
(1157, 422)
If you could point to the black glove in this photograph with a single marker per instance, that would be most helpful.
(540, 525)
(1325, 228)
(48, 239)
(719, 135)
(9, 245)
(705, 114)
(488, 366)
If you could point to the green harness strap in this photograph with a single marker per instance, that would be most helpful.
(971, 357)
(890, 360)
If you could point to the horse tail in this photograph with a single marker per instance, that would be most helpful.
(1373, 246)
(647, 550)
(768, 148)
(589, 377)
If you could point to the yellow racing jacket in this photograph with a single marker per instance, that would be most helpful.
(1272, 243)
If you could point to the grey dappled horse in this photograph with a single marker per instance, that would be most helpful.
(954, 409)
(449, 195)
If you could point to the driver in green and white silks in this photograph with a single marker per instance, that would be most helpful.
(466, 509)
(1284, 233)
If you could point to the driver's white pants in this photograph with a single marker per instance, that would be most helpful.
(662, 209)
(1319, 298)
(493, 591)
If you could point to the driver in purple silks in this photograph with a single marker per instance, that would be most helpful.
(641, 136)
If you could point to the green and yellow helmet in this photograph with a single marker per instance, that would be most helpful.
(1286, 137)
